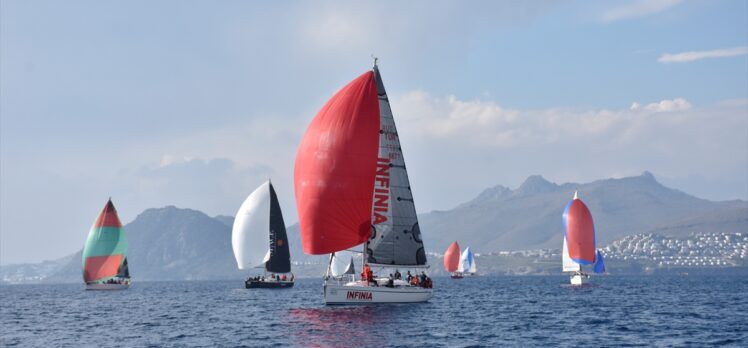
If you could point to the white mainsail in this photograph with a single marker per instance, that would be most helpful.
(464, 265)
(473, 268)
(467, 261)
(249, 237)
(568, 264)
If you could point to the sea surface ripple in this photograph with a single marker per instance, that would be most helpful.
(616, 311)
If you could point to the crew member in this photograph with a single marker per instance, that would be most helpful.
(367, 274)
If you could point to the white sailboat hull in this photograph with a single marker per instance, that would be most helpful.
(579, 279)
(360, 293)
(107, 286)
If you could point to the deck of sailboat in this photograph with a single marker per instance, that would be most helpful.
(104, 286)
(270, 284)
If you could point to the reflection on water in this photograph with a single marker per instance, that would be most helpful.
(339, 326)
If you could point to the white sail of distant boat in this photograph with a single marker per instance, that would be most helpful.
(467, 262)
(258, 237)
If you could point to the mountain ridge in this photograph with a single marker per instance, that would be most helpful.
(171, 243)
(530, 216)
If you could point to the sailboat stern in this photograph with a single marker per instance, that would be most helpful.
(579, 279)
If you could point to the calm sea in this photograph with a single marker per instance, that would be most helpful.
(478, 311)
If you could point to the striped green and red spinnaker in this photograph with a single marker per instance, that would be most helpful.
(106, 246)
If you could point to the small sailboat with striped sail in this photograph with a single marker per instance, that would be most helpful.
(452, 261)
(105, 253)
(352, 191)
(579, 242)
(258, 239)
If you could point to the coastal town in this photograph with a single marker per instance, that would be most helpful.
(644, 252)
(698, 250)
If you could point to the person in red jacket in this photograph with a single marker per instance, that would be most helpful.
(367, 274)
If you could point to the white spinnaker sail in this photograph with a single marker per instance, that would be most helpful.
(250, 236)
(568, 264)
(342, 263)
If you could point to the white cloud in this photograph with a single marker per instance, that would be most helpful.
(480, 142)
(699, 55)
(638, 8)
(481, 122)
(665, 105)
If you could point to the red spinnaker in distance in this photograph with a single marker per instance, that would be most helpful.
(580, 232)
(452, 257)
(335, 169)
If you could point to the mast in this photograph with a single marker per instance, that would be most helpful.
(363, 246)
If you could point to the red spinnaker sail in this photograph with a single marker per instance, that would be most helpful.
(335, 169)
(452, 257)
(580, 232)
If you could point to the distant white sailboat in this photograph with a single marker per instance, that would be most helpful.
(579, 242)
(258, 239)
(467, 262)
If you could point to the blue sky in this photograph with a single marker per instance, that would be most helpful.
(194, 104)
